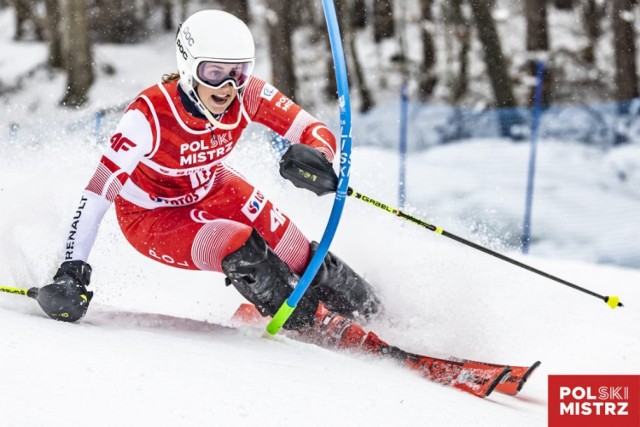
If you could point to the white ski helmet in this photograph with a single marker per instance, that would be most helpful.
(216, 36)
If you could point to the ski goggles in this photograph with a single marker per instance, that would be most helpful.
(215, 74)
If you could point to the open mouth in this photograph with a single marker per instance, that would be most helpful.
(219, 99)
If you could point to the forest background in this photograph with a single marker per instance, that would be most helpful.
(457, 52)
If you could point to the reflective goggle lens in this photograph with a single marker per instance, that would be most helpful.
(217, 74)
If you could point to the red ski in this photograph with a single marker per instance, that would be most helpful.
(477, 378)
(516, 379)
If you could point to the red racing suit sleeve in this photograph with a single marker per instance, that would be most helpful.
(268, 106)
(132, 139)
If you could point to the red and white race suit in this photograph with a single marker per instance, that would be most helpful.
(176, 200)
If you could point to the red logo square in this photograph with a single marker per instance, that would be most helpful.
(594, 401)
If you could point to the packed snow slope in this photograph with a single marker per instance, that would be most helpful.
(156, 347)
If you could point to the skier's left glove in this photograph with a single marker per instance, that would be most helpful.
(67, 298)
(307, 168)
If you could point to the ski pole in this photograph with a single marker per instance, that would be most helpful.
(612, 301)
(31, 293)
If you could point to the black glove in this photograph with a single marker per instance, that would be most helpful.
(307, 168)
(67, 298)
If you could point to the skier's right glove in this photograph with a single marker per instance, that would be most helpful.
(307, 168)
(67, 299)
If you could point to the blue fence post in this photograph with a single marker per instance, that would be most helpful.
(13, 130)
(98, 117)
(404, 103)
(535, 122)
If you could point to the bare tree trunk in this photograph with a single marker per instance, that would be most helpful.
(55, 38)
(117, 21)
(537, 34)
(463, 36)
(167, 15)
(427, 79)
(383, 22)
(493, 58)
(184, 6)
(76, 47)
(356, 74)
(280, 46)
(25, 14)
(537, 42)
(366, 100)
(625, 49)
(239, 8)
(563, 4)
(300, 13)
(592, 13)
(354, 68)
(331, 88)
(359, 14)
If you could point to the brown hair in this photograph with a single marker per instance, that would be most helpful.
(171, 77)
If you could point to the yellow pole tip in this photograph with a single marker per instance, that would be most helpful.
(613, 301)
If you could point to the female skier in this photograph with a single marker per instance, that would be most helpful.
(178, 203)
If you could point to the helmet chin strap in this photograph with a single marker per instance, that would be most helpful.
(194, 97)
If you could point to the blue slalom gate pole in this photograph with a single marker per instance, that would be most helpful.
(287, 308)
(535, 122)
(404, 101)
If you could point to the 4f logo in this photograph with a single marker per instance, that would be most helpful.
(120, 142)
(277, 219)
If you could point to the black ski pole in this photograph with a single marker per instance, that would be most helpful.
(612, 301)
(31, 293)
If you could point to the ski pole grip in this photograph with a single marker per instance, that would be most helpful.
(279, 319)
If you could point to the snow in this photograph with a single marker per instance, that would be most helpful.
(156, 347)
